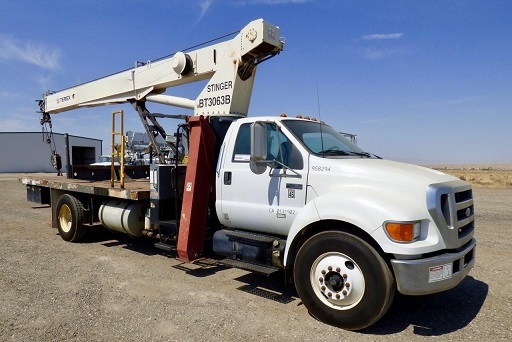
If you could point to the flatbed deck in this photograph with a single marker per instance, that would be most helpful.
(137, 189)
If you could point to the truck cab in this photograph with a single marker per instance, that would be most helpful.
(299, 179)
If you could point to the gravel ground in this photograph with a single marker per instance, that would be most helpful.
(112, 288)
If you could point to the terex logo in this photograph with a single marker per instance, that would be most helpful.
(64, 98)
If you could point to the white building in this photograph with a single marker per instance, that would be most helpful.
(29, 151)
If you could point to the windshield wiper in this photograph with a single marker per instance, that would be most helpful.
(365, 154)
(362, 154)
(333, 151)
(368, 154)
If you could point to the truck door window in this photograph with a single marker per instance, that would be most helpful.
(279, 147)
(242, 151)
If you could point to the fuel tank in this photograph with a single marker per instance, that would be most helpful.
(122, 216)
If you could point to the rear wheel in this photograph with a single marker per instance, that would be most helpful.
(343, 281)
(70, 217)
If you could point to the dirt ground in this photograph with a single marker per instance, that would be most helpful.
(113, 288)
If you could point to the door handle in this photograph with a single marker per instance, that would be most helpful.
(227, 177)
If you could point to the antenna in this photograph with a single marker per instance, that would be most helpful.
(320, 120)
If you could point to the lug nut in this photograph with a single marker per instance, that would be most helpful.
(338, 296)
(345, 275)
(329, 294)
(344, 292)
(338, 269)
(322, 288)
(347, 285)
(329, 268)
(323, 272)
(321, 279)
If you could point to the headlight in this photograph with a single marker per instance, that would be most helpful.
(403, 231)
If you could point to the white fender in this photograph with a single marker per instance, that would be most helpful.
(368, 209)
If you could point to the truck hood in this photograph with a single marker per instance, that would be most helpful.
(369, 192)
(328, 174)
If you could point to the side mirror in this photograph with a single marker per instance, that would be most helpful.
(259, 151)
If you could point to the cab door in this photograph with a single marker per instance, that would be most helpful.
(266, 202)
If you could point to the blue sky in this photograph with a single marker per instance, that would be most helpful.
(426, 82)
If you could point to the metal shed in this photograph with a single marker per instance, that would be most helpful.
(29, 152)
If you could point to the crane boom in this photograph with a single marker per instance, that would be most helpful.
(230, 67)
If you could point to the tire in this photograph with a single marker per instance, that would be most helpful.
(70, 218)
(343, 281)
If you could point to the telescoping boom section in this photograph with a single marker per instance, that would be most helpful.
(230, 67)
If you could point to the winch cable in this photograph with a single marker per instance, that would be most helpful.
(47, 130)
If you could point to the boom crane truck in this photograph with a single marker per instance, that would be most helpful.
(271, 193)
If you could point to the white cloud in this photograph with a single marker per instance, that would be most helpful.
(376, 50)
(45, 82)
(29, 52)
(205, 6)
(380, 36)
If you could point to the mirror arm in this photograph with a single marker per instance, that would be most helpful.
(296, 174)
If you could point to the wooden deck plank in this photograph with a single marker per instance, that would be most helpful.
(133, 189)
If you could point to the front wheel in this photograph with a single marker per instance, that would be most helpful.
(343, 281)
(70, 217)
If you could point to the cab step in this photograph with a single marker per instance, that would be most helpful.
(248, 266)
(250, 238)
(165, 246)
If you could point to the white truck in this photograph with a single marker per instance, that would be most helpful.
(271, 193)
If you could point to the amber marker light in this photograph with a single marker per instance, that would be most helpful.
(403, 231)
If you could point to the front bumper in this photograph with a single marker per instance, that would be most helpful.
(435, 274)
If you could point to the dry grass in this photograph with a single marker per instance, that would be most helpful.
(493, 177)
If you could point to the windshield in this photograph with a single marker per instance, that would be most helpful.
(323, 140)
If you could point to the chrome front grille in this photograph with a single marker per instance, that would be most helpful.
(465, 212)
(451, 207)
